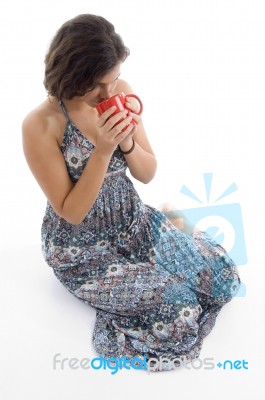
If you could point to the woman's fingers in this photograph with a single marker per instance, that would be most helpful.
(125, 133)
(108, 120)
(105, 116)
(116, 119)
(132, 105)
(118, 126)
(135, 117)
(122, 125)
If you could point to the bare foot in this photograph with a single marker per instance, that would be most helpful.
(177, 218)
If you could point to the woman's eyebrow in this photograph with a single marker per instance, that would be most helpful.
(99, 83)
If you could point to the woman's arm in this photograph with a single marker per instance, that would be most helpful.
(45, 159)
(141, 161)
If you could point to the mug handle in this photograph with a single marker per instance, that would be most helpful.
(137, 98)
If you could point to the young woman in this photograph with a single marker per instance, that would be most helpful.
(157, 286)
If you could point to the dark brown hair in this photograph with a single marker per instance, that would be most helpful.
(83, 50)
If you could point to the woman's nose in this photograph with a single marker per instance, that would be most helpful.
(106, 92)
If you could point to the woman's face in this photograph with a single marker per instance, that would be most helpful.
(104, 89)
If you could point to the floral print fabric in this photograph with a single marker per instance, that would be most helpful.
(156, 289)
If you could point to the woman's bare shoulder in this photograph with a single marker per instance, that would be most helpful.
(124, 86)
(43, 120)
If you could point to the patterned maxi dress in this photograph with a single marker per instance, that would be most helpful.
(156, 290)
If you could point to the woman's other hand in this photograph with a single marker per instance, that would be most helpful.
(111, 132)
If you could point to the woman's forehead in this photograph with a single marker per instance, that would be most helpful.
(110, 76)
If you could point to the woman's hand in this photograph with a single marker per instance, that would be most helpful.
(110, 135)
(132, 105)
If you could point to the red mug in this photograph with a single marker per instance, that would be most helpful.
(118, 101)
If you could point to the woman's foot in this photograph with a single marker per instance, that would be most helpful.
(177, 218)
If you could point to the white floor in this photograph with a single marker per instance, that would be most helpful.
(41, 319)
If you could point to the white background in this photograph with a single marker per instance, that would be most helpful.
(199, 68)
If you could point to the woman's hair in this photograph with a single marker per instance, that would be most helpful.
(83, 50)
